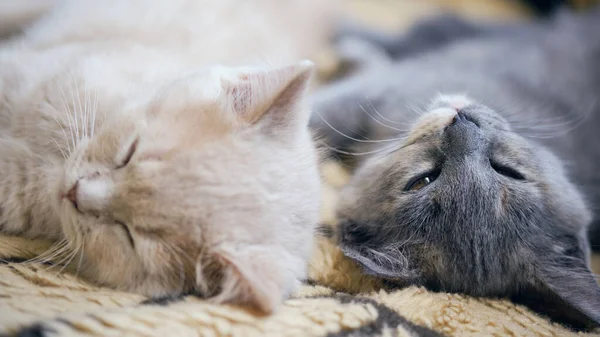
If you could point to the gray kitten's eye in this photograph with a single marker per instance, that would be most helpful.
(129, 154)
(506, 171)
(421, 181)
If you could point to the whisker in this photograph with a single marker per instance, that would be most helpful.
(59, 147)
(95, 109)
(173, 252)
(382, 117)
(56, 249)
(84, 123)
(60, 125)
(413, 108)
(65, 261)
(377, 121)
(352, 138)
(71, 257)
(59, 261)
(366, 153)
(75, 94)
(542, 129)
(82, 250)
(63, 101)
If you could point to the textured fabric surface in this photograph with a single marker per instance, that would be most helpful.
(337, 300)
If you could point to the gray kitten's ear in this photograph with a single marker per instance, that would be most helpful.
(566, 290)
(272, 97)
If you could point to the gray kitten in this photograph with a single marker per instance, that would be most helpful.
(487, 187)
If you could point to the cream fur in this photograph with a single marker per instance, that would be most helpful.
(209, 170)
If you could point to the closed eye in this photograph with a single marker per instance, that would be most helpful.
(506, 171)
(129, 154)
(127, 232)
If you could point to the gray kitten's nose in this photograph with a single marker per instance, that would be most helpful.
(462, 117)
(463, 136)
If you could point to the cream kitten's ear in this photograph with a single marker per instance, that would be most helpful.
(272, 97)
(253, 276)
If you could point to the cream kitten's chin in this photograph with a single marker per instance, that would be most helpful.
(210, 187)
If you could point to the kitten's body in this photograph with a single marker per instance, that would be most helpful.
(545, 81)
(164, 172)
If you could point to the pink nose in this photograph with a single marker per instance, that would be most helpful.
(72, 194)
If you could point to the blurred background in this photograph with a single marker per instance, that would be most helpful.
(398, 15)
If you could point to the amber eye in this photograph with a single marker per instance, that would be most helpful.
(421, 181)
(128, 155)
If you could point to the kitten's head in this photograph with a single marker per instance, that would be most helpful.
(467, 205)
(210, 186)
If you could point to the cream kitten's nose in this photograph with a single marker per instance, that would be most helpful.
(89, 195)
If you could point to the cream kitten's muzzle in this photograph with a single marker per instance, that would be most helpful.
(90, 195)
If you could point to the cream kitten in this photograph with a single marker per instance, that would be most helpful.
(159, 173)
